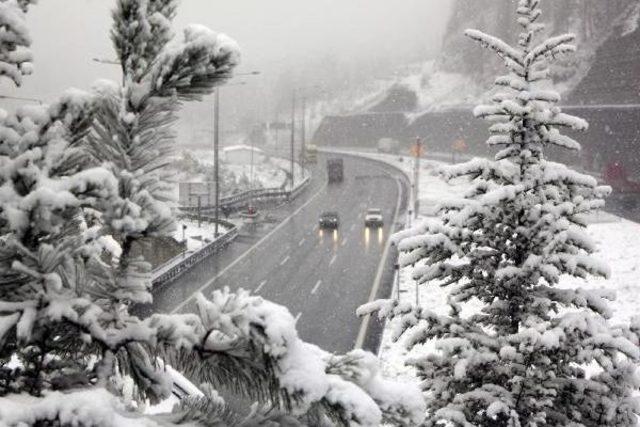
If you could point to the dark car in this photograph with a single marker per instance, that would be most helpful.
(329, 220)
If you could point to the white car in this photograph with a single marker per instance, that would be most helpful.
(373, 218)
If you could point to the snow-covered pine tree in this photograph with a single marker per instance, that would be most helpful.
(66, 335)
(65, 330)
(16, 57)
(133, 128)
(535, 353)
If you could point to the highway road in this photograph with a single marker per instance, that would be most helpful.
(320, 276)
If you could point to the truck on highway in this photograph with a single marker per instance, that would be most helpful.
(335, 170)
(388, 146)
(311, 154)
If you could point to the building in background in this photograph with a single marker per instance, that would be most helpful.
(243, 154)
(190, 192)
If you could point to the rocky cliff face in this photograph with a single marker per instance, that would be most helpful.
(601, 84)
(604, 70)
(613, 77)
(591, 20)
(598, 25)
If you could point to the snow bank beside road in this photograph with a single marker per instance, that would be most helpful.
(618, 247)
(616, 239)
(195, 236)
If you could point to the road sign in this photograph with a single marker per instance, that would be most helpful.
(417, 149)
(459, 145)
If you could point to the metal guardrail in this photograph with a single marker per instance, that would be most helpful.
(245, 196)
(167, 273)
(163, 275)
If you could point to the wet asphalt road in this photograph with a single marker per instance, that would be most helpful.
(320, 276)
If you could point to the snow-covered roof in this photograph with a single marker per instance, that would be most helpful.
(241, 147)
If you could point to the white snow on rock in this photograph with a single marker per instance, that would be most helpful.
(630, 24)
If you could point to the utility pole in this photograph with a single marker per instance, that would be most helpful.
(216, 157)
(199, 211)
(251, 176)
(416, 177)
(216, 146)
(293, 135)
(303, 150)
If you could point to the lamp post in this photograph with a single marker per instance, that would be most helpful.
(216, 160)
(416, 177)
(106, 61)
(20, 98)
(303, 123)
(293, 136)
(216, 146)
(111, 62)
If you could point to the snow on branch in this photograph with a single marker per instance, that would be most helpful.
(500, 47)
(555, 118)
(272, 350)
(552, 46)
(15, 55)
(511, 81)
(192, 68)
(554, 137)
(92, 407)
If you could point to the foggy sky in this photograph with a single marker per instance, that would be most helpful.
(294, 43)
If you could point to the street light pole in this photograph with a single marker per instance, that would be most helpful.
(112, 62)
(20, 98)
(216, 147)
(303, 124)
(293, 133)
(216, 157)
(416, 178)
(303, 150)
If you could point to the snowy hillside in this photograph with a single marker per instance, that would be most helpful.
(460, 75)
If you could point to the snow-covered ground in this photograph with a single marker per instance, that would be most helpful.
(617, 240)
(196, 236)
(618, 245)
(299, 172)
(273, 172)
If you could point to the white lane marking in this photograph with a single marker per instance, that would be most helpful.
(284, 260)
(362, 333)
(264, 282)
(315, 288)
(344, 241)
(298, 316)
(301, 242)
(251, 249)
(360, 215)
(333, 259)
(352, 227)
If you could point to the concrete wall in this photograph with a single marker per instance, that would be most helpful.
(613, 136)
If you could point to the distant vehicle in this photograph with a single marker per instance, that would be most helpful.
(250, 212)
(311, 154)
(625, 191)
(329, 220)
(373, 218)
(335, 170)
(388, 146)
